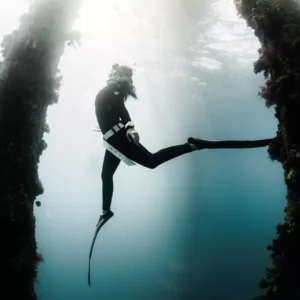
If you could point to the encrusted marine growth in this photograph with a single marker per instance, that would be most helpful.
(276, 23)
(29, 83)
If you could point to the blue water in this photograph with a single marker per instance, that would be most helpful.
(194, 228)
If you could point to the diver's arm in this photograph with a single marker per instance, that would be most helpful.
(131, 133)
(124, 114)
(122, 111)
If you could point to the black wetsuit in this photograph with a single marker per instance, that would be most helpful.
(110, 110)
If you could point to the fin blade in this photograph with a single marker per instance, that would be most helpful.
(98, 227)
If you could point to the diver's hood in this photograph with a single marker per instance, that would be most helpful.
(120, 75)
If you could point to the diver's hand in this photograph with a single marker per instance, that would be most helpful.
(132, 136)
(131, 133)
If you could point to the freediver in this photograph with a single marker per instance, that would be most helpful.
(121, 140)
(120, 134)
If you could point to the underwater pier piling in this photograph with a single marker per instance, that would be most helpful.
(29, 83)
(276, 23)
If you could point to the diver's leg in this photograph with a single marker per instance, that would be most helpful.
(142, 156)
(110, 165)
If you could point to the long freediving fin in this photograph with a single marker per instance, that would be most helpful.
(98, 227)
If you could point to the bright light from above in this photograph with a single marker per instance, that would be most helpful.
(228, 36)
(226, 10)
(96, 17)
(107, 18)
(10, 14)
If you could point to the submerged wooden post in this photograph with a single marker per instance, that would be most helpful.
(28, 85)
(276, 23)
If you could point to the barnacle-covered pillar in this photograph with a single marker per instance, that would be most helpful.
(28, 85)
(277, 25)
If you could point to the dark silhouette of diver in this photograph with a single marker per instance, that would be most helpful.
(119, 132)
(122, 140)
